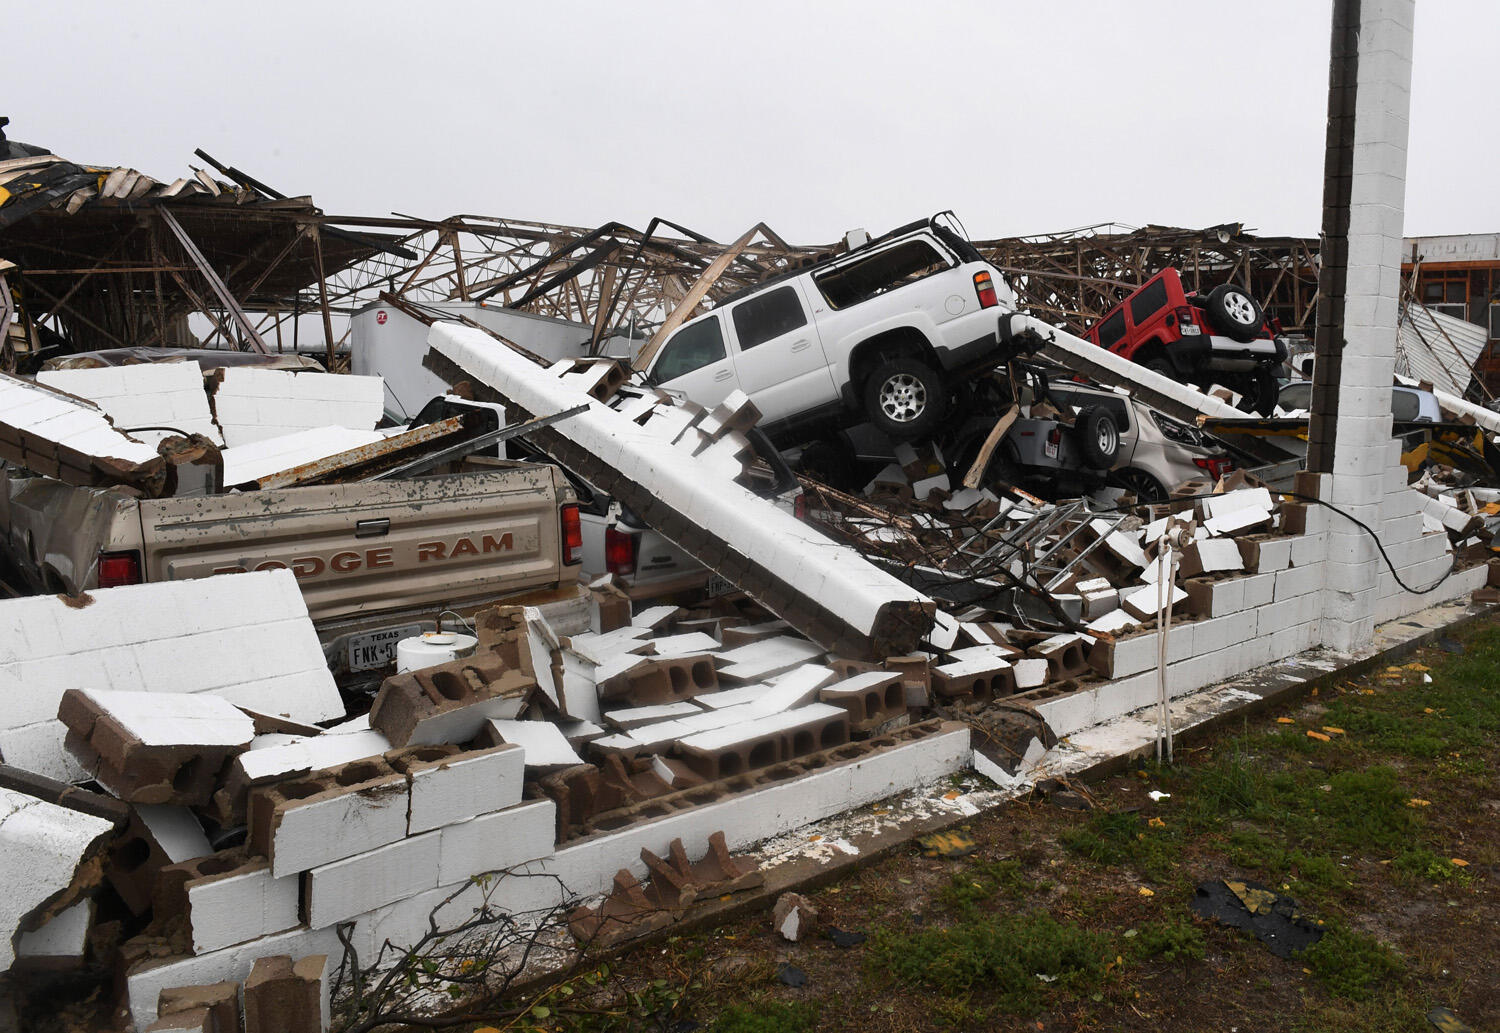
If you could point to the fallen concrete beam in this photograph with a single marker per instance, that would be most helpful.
(825, 590)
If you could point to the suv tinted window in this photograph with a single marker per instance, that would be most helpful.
(694, 347)
(1151, 299)
(1112, 329)
(879, 273)
(759, 319)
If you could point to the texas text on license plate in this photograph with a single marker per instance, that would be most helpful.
(378, 648)
(719, 586)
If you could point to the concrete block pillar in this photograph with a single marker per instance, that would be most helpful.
(1351, 431)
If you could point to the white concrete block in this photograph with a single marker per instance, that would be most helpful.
(365, 822)
(497, 841)
(254, 404)
(543, 741)
(41, 847)
(61, 941)
(351, 886)
(235, 908)
(1297, 581)
(464, 787)
(1307, 549)
(1030, 673)
(158, 394)
(757, 661)
(631, 717)
(1215, 506)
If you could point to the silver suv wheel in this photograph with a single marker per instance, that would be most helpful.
(903, 398)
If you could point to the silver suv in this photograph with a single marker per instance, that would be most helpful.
(882, 332)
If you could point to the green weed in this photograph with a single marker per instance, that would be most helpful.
(1350, 964)
(1169, 940)
(767, 1017)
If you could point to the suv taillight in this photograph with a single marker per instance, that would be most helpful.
(1216, 466)
(619, 551)
(572, 535)
(119, 568)
(799, 506)
(984, 287)
(1185, 315)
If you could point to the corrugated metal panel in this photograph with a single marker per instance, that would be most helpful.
(1439, 348)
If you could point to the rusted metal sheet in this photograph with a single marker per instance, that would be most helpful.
(364, 460)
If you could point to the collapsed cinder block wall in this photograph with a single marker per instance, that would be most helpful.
(825, 590)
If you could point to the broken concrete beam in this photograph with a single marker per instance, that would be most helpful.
(154, 747)
(823, 589)
(50, 855)
(450, 785)
(365, 800)
(870, 699)
(226, 898)
(651, 682)
(57, 435)
(764, 741)
(282, 996)
(624, 913)
(221, 1001)
(449, 702)
(134, 638)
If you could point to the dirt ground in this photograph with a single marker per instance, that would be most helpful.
(1373, 806)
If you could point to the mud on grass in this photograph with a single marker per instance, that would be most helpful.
(1384, 823)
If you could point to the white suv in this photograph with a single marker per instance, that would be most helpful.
(882, 333)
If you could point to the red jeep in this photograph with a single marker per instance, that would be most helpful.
(1223, 338)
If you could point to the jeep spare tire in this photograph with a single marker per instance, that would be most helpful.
(904, 399)
(1098, 437)
(1234, 313)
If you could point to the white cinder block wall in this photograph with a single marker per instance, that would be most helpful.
(1364, 453)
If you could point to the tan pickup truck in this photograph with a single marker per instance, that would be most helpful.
(377, 560)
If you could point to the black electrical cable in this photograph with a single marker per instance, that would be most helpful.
(1452, 569)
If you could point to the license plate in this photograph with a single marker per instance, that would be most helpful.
(378, 648)
(719, 586)
(1050, 449)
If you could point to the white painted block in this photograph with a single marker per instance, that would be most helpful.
(236, 908)
(62, 940)
(365, 822)
(351, 886)
(1142, 602)
(543, 741)
(254, 404)
(41, 846)
(632, 717)
(1030, 673)
(148, 394)
(464, 787)
(757, 661)
(496, 841)
(1215, 506)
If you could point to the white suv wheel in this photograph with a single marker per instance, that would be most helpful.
(1240, 308)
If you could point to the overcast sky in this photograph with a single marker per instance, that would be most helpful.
(1023, 117)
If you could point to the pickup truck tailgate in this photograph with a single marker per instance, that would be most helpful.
(372, 546)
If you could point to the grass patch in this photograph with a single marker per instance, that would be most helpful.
(1351, 965)
(1006, 956)
(1170, 940)
(967, 889)
(767, 1017)
(1121, 838)
(1420, 865)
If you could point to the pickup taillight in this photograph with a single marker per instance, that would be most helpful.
(984, 287)
(619, 551)
(572, 535)
(119, 568)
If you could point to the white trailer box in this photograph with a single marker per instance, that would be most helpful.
(389, 343)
